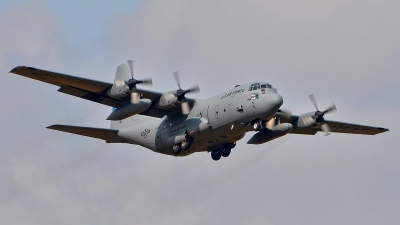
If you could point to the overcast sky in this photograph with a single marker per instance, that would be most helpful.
(346, 52)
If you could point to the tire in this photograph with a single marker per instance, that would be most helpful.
(216, 155)
(257, 126)
(186, 145)
(226, 152)
(176, 149)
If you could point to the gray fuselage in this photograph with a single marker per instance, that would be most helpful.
(222, 119)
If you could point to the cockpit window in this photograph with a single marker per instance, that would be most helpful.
(263, 86)
(253, 87)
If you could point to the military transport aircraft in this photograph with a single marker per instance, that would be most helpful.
(171, 124)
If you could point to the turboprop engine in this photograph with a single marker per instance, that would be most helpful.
(266, 135)
(171, 99)
(305, 120)
(316, 117)
(124, 87)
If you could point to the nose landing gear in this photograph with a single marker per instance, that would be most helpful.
(257, 126)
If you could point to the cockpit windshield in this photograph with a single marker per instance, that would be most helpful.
(254, 87)
(262, 86)
(257, 86)
(266, 86)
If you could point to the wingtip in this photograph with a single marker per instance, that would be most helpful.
(15, 68)
(52, 127)
(19, 67)
(383, 129)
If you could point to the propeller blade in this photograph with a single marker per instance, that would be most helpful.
(312, 98)
(185, 108)
(331, 108)
(271, 123)
(194, 89)
(146, 81)
(135, 97)
(325, 127)
(130, 65)
(283, 113)
(176, 76)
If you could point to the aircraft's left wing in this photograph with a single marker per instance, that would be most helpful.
(337, 127)
(349, 128)
(91, 90)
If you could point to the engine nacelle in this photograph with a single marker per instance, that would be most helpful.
(130, 109)
(305, 120)
(168, 100)
(118, 91)
(270, 134)
(120, 88)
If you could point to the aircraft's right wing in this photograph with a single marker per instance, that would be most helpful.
(91, 90)
(108, 135)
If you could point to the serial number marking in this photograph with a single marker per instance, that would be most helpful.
(145, 133)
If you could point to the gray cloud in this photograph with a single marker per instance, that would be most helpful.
(343, 51)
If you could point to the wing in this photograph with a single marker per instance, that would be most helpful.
(108, 135)
(91, 90)
(348, 128)
(337, 127)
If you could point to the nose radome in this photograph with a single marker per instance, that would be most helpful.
(276, 100)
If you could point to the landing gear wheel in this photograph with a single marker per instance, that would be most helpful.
(216, 155)
(186, 144)
(176, 149)
(257, 126)
(226, 151)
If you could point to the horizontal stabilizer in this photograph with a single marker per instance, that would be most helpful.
(110, 136)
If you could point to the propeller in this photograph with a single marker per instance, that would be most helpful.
(180, 94)
(283, 113)
(319, 115)
(133, 82)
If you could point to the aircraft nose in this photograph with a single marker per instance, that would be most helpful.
(275, 100)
